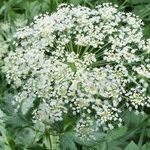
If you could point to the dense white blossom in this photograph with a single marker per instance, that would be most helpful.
(83, 62)
(85, 128)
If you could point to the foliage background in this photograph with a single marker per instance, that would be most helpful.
(16, 133)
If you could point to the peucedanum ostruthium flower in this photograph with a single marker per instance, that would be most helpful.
(82, 62)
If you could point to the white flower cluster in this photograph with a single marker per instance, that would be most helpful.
(91, 63)
(85, 128)
(5, 29)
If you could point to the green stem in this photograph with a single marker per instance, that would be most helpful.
(50, 142)
(91, 50)
(107, 147)
(34, 138)
(71, 45)
(77, 49)
(99, 55)
(101, 63)
(141, 138)
(145, 11)
(86, 49)
(102, 47)
(68, 48)
(80, 50)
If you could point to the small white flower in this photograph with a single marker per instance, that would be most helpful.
(81, 61)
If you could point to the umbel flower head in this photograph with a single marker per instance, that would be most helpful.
(88, 63)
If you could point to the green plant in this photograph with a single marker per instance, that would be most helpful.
(17, 129)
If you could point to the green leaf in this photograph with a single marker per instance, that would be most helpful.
(139, 1)
(115, 145)
(51, 142)
(142, 10)
(148, 132)
(146, 146)
(2, 116)
(100, 146)
(16, 121)
(5, 139)
(147, 31)
(6, 105)
(36, 147)
(116, 133)
(132, 120)
(6, 147)
(131, 146)
(27, 105)
(75, 2)
(67, 141)
(98, 138)
(25, 137)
